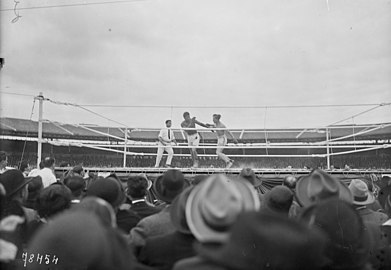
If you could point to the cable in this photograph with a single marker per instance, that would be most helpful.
(27, 133)
(74, 5)
(15, 94)
(361, 113)
(81, 107)
(264, 127)
(236, 107)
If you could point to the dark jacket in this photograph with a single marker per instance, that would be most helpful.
(143, 209)
(127, 219)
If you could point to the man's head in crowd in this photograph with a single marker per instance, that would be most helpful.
(279, 200)
(48, 162)
(78, 169)
(137, 187)
(108, 189)
(76, 184)
(348, 240)
(214, 204)
(23, 166)
(34, 189)
(361, 194)
(103, 210)
(290, 182)
(3, 160)
(249, 175)
(53, 200)
(15, 185)
(319, 186)
(169, 185)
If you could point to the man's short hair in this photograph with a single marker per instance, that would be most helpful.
(137, 187)
(168, 121)
(48, 162)
(218, 116)
(186, 114)
(3, 155)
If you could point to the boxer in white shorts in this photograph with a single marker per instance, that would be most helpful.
(222, 139)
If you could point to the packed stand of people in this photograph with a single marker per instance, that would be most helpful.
(217, 221)
(108, 160)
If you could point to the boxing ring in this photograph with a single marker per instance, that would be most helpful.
(325, 147)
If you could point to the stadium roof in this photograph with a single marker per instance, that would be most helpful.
(52, 130)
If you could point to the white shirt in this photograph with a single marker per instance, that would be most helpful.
(47, 176)
(164, 134)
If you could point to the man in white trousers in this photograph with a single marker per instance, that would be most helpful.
(166, 138)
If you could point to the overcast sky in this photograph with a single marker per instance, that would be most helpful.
(199, 53)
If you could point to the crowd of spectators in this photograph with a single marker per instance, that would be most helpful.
(367, 161)
(218, 221)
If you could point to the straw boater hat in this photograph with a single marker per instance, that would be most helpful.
(361, 193)
(214, 204)
(319, 185)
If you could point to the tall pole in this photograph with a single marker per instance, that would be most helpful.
(328, 148)
(125, 146)
(39, 153)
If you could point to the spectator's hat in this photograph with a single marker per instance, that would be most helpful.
(75, 183)
(108, 189)
(78, 240)
(53, 199)
(261, 240)
(279, 199)
(178, 211)
(360, 192)
(319, 185)
(349, 241)
(169, 185)
(214, 205)
(13, 181)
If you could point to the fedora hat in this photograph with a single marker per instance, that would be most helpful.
(319, 185)
(360, 192)
(178, 211)
(13, 181)
(261, 240)
(169, 185)
(214, 204)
